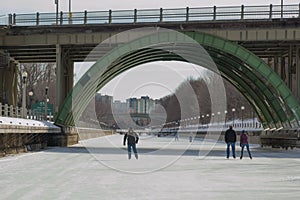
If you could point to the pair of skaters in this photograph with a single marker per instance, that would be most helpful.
(230, 139)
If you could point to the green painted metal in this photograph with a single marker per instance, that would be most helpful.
(138, 59)
(281, 106)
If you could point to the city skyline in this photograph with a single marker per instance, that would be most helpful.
(156, 79)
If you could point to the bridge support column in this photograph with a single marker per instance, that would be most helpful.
(64, 75)
(276, 64)
(283, 69)
(290, 75)
(9, 83)
(298, 73)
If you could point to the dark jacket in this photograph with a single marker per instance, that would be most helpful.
(230, 136)
(132, 138)
(244, 138)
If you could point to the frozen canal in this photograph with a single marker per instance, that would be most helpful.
(166, 169)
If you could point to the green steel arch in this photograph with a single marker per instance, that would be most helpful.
(266, 92)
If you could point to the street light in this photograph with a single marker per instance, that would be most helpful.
(281, 5)
(225, 116)
(219, 113)
(56, 3)
(24, 111)
(207, 115)
(70, 13)
(30, 94)
(233, 110)
(242, 108)
(46, 102)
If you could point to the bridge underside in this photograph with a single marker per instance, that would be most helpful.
(269, 96)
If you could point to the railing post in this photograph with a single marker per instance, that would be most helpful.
(135, 16)
(14, 19)
(160, 15)
(0, 109)
(187, 14)
(109, 16)
(61, 17)
(85, 17)
(11, 110)
(215, 13)
(242, 12)
(5, 110)
(37, 18)
(271, 12)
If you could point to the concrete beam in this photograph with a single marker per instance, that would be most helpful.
(9, 84)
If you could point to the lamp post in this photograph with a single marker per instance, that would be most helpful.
(219, 113)
(233, 110)
(24, 111)
(30, 94)
(213, 116)
(242, 108)
(207, 115)
(225, 112)
(281, 12)
(56, 3)
(70, 13)
(46, 102)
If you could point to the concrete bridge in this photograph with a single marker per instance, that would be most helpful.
(256, 48)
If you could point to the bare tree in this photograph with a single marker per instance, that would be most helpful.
(39, 76)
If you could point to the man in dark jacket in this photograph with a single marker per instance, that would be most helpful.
(230, 139)
(132, 139)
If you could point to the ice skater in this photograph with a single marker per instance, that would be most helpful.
(176, 136)
(132, 139)
(230, 139)
(244, 143)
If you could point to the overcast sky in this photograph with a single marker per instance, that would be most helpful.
(25, 6)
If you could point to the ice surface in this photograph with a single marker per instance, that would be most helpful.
(99, 169)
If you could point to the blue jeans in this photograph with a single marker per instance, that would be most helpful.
(232, 144)
(242, 151)
(133, 146)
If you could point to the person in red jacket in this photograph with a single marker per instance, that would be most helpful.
(244, 143)
(132, 139)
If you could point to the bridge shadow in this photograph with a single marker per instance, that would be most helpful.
(256, 152)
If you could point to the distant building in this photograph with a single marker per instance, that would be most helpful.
(105, 99)
(120, 107)
(143, 105)
(132, 104)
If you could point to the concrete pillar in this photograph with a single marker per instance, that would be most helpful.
(64, 76)
(59, 78)
(298, 73)
(9, 84)
(290, 75)
(282, 69)
(276, 64)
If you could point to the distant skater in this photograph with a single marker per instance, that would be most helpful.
(176, 136)
(191, 137)
(132, 139)
(230, 139)
(244, 142)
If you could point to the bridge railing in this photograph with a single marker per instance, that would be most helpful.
(16, 112)
(214, 13)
